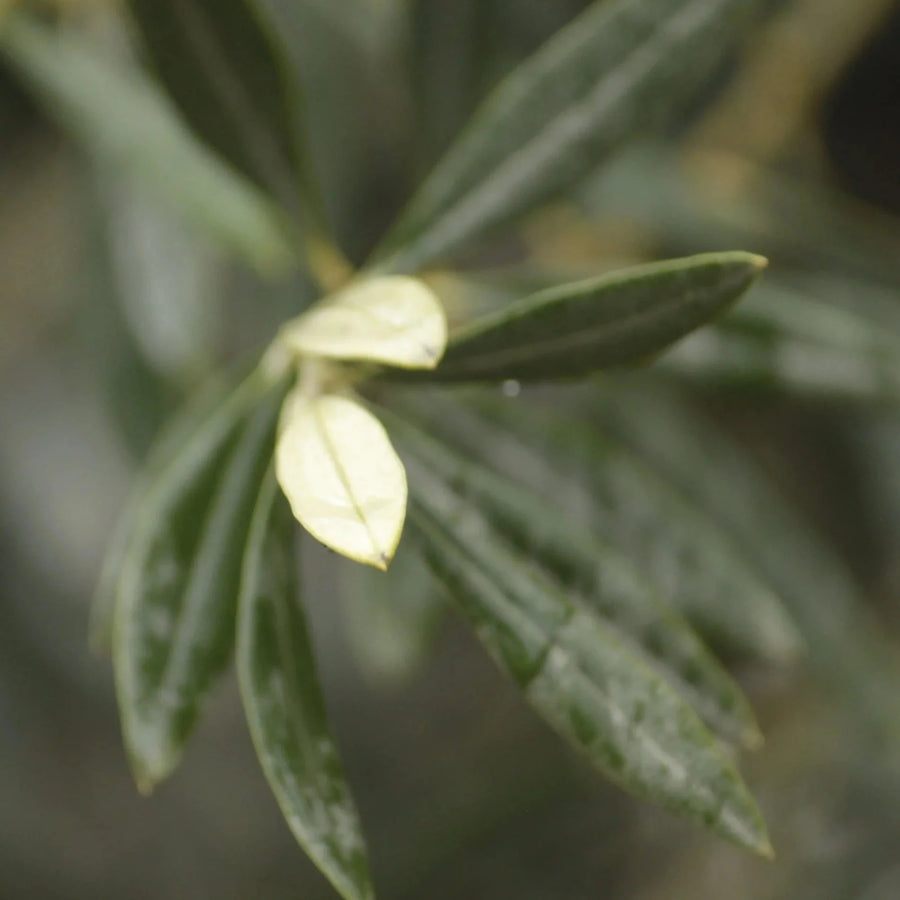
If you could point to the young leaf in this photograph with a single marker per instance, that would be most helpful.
(344, 481)
(814, 586)
(284, 704)
(218, 62)
(177, 589)
(124, 122)
(394, 320)
(595, 573)
(579, 328)
(671, 541)
(578, 673)
(618, 67)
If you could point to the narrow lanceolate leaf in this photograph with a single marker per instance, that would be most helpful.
(784, 340)
(814, 586)
(332, 48)
(217, 61)
(198, 417)
(579, 328)
(284, 704)
(394, 320)
(176, 593)
(580, 672)
(604, 487)
(604, 579)
(344, 481)
(124, 121)
(614, 70)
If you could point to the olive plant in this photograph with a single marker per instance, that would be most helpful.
(593, 545)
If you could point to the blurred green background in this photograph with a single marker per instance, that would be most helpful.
(111, 310)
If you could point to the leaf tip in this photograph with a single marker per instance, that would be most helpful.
(753, 738)
(759, 263)
(146, 777)
(151, 758)
(145, 785)
(431, 356)
(743, 825)
(764, 849)
(378, 559)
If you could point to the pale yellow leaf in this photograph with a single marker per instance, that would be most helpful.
(394, 319)
(343, 479)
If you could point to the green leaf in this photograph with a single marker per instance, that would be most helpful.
(345, 483)
(784, 340)
(177, 586)
(198, 416)
(812, 583)
(333, 48)
(219, 63)
(580, 673)
(354, 24)
(593, 572)
(123, 121)
(614, 70)
(391, 616)
(672, 542)
(582, 327)
(446, 59)
(284, 705)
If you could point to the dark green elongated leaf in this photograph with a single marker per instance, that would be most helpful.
(460, 51)
(284, 705)
(672, 542)
(330, 49)
(120, 117)
(784, 340)
(224, 71)
(814, 586)
(599, 323)
(450, 49)
(576, 670)
(597, 574)
(618, 67)
(594, 692)
(177, 589)
(223, 397)
(391, 616)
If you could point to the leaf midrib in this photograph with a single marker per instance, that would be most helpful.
(538, 351)
(346, 481)
(650, 744)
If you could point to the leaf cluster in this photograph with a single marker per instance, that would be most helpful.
(597, 545)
